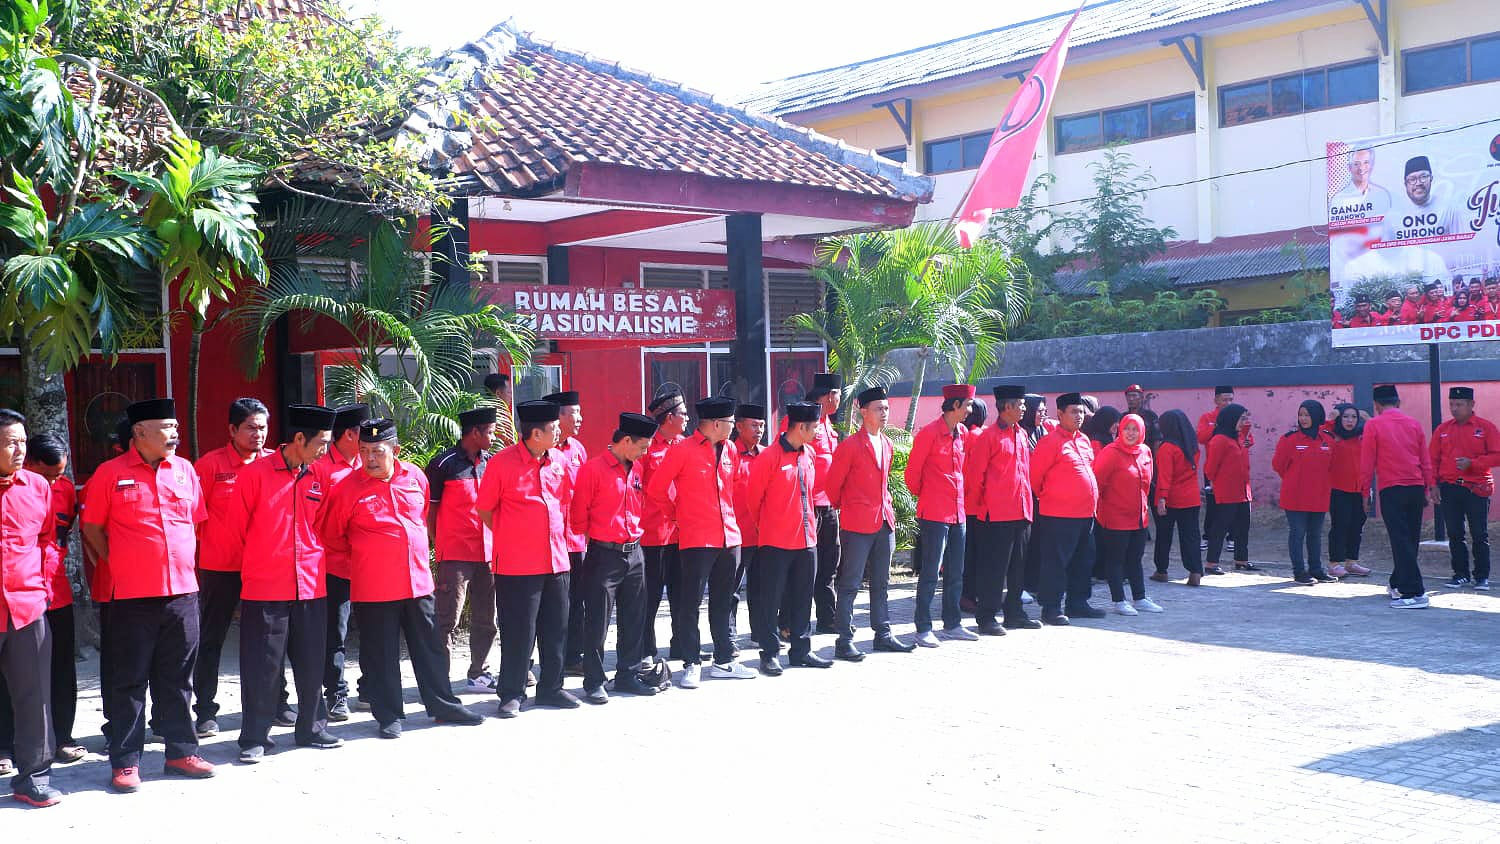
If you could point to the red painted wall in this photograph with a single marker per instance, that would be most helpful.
(221, 380)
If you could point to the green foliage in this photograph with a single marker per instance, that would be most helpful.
(902, 501)
(1113, 231)
(1308, 288)
(1106, 313)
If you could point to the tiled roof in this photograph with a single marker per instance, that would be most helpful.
(1193, 264)
(550, 109)
(996, 48)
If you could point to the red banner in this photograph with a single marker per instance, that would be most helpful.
(652, 316)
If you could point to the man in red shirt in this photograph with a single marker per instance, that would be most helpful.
(1062, 477)
(858, 485)
(1394, 452)
(1465, 452)
(935, 475)
(463, 543)
(997, 475)
(825, 393)
(1364, 315)
(340, 461)
(525, 496)
(27, 525)
(377, 518)
(573, 456)
(694, 486)
(606, 506)
(780, 496)
(283, 592)
(218, 555)
(139, 513)
(659, 537)
(750, 430)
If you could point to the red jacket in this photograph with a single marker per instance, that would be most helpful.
(1479, 440)
(1394, 451)
(149, 516)
(935, 472)
(744, 459)
(997, 475)
(1305, 465)
(1176, 478)
(780, 497)
(528, 498)
(693, 485)
(607, 500)
(573, 455)
(858, 483)
(381, 528)
(1206, 424)
(1227, 467)
(27, 525)
(331, 469)
(65, 512)
(1124, 486)
(273, 520)
(217, 548)
(1062, 475)
(659, 530)
(1343, 469)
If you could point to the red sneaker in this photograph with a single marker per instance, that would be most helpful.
(195, 767)
(126, 780)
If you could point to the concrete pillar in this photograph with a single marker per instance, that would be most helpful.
(747, 278)
(1390, 79)
(1206, 121)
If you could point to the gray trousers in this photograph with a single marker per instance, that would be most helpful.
(26, 663)
(865, 553)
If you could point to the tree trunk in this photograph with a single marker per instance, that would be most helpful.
(917, 379)
(195, 350)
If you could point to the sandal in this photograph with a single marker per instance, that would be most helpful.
(1338, 570)
(1246, 567)
(1214, 570)
(1160, 576)
(1356, 570)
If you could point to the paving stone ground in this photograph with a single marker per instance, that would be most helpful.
(1251, 711)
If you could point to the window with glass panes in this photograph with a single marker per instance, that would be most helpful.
(1126, 124)
(1448, 65)
(1296, 93)
(947, 155)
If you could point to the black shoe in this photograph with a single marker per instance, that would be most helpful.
(390, 731)
(1324, 577)
(632, 685)
(206, 728)
(1058, 620)
(560, 699)
(1085, 611)
(826, 629)
(573, 669)
(323, 741)
(286, 718)
(847, 652)
(1304, 580)
(770, 667)
(338, 712)
(1022, 623)
(252, 755)
(509, 709)
(38, 796)
(810, 661)
(462, 716)
(991, 628)
(597, 696)
(890, 644)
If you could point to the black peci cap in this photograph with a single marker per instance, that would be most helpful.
(309, 417)
(1009, 392)
(1067, 400)
(802, 411)
(151, 409)
(563, 399)
(1461, 393)
(751, 411)
(350, 416)
(1223, 390)
(873, 394)
(538, 412)
(1386, 393)
(637, 425)
(715, 407)
(1418, 164)
(377, 431)
(664, 400)
(477, 417)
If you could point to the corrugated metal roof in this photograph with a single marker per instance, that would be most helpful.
(1191, 264)
(995, 48)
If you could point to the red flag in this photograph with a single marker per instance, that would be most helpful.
(1002, 174)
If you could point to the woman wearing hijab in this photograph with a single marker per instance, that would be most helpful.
(1123, 470)
(1177, 496)
(1227, 467)
(1035, 422)
(1303, 459)
(1102, 426)
(1346, 503)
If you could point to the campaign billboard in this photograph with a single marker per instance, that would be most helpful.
(1414, 237)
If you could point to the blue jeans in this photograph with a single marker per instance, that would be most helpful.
(941, 544)
(864, 554)
(1305, 530)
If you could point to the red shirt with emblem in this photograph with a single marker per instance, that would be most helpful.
(858, 482)
(1227, 467)
(55, 552)
(607, 499)
(1305, 465)
(528, 499)
(744, 459)
(693, 485)
(1062, 475)
(454, 476)
(380, 526)
(935, 472)
(779, 495)
(274, 518)
(659, 530)
(332, 468)
(572, 454)
(1477, 439)
(27, 525)
(218, 549)
(997, 475)
(1124, 479)
(1176, 478)
(148, 514)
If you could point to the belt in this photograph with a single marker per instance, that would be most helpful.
(623, 547)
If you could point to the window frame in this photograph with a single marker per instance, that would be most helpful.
(886, 153)
(1468, 45)
(1151, 134)
(1267, 81)
(959, 139)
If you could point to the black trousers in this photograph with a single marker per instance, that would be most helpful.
(533, 614)
(825, 600)
(749, 555)
(218, 596)
(1462, 506)
(270, 633)
(612, 580)
(661, 575)
(785, 581)
(1346, 528)
(1401, 509)
(1122, 551)
(1033, 581)
(1208, 508)
(382, 626)
(971, 561)
(577, 622)
(335, 689)
(151, 640)
(999, 560)
(715, 568)
(742, 584)
(1184, 521)
(1231, 521)
(1067, 562)
(26, 665)
(64, 685)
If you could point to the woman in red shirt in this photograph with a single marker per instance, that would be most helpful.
(1177, 497)
(1463, 309)
(1346, 502)
(1123, 470)
(1303, 459)
(1227, 468)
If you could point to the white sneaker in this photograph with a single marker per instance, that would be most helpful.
(1393, 592)
(483, 683)
(1148, 605)
(692, 676)
(1026, 597)
(730, 671)
(1417, 603)
(959, 634)
(926, 639)
(1124, 608)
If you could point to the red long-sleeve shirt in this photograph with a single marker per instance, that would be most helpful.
(935, 472)
(1124, 486)
(1206, 424)
(858, 483)
(573, 456)
(54, 556)
(693, 485)
(824, 443)
(273, 521)
(659, 529)
(607, 500)
(528, 499)
(1305, 465)
(380, 526)
(1227, 467)
(1062, 475)
(1477, 439)
(332, 468)
(780, 496)
(149, 514)
(1394, 451)
(1343, 469)
(218, 549)
(744, 459)
(997, 475)
(26, 525)
(1176, 478)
